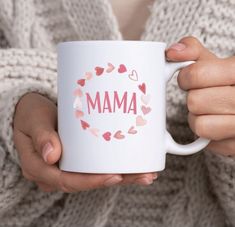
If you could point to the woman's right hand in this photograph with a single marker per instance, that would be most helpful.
(39, 148)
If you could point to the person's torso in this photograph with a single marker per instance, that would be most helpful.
(131, 16)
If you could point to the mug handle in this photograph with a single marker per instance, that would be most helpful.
(172, 146)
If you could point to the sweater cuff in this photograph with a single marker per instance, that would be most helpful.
(11, 99)
(221, 168)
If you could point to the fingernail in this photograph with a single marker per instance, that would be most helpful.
(177, 46)
(112, 181)
(155, 175)
(143, 181)
(47, 149)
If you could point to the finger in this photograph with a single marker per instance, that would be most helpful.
(143, 179)
(214, 127)
(74, 182)
(35, 169)
(32, 164)
(212, 73)
(225, 147)
(40, 125)
(215, 100)
(188, 48)
(44, 136)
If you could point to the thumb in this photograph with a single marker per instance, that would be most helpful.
(188, 49)
(42, 127)
(36, 117)
(47, 143)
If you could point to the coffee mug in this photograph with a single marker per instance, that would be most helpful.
(112, 107)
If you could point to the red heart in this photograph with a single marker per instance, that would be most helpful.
(84, 124)
(81, 82)
(107, 136)
(122, 68)
(99, 70)
(142, 87)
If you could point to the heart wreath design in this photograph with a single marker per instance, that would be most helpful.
(140, 120)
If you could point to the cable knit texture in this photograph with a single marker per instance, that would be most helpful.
(193, 191)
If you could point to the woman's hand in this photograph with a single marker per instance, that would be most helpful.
(39, 148)
(211, 93)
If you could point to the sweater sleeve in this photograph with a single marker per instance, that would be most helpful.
(222, 176)
(23, 71)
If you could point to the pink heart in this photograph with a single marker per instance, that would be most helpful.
(122, 68)
(145, 99)
(132, 130)
(110, 68)
(140, 121)
(99, 70)
(88, 75)
(94, 131)
(79, 114)
(118, 135)
(145, 109)
(107, 136)
(133, 75)
(78, 92)
(142, 87)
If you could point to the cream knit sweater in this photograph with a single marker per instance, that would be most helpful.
(197, 190)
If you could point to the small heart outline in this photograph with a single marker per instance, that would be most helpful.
(133, 75)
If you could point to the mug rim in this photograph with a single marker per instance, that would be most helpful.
(109, 41)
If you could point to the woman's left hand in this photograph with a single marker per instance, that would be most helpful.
(211, 93)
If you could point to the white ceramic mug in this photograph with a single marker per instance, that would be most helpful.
(112, 107)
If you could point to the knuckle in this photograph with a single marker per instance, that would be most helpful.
(193, 102)
(201, 127)
(191, 39)
(182, 80)
(194, 40)
(194, 73)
